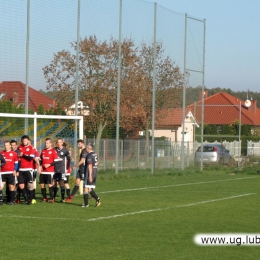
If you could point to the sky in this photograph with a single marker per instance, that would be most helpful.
(232, 48)
(232, 56)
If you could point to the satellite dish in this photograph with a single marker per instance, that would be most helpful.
(247, 103)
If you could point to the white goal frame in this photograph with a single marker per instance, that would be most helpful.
(35, 116)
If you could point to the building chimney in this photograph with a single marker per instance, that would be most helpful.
(253, 106)
(206, 94)
(15, 98)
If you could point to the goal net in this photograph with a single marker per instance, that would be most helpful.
(40, 127)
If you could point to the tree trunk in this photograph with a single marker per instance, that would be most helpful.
(98, 139)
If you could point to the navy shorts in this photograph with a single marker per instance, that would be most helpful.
(58, 176)
(45, 179)
(8, 178)
(25, 176)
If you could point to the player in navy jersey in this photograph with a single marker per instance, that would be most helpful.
(9, 171)
(67, 175)
(48, 158)
(25, 175)
(61, 168)
(91, 176)
(80, 175)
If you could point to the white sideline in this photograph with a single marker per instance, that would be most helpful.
(160, 209)
(128, 213)
(174, 185)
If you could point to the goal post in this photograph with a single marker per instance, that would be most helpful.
(35, 116)
(40, 127)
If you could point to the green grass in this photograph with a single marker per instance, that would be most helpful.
(65, 231)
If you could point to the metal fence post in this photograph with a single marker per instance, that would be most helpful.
(138, 154)
(122, 153)
(104, 154)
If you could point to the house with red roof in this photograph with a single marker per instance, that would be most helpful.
(169, 124)
(15, 92)
(219, 109)
(223, 109)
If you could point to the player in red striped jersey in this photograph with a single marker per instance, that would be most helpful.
(36, 164)
(25, 176)
(9, 171)
(48, 158)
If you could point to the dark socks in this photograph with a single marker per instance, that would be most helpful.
(51, 192)
(33, 194)
(94, 195)
(23, 191)
(85, 196)
(18, 193)
(43, 190)
(75, 189)
(1, 197)
(62, 190)
(11, 196)
(68, 192)
(55, 191)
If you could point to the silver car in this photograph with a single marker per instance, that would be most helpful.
(213, 153)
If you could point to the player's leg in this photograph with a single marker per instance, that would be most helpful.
(29, 181)
(67, 186)
(62, 188)
(92, 186)
(1, 190)
(50, 184)
(11, 187)
(55, 184)
(22, 185)
(76, 187)
(43, 188)
(77, 183)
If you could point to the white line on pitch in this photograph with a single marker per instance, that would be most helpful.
(174, 185)
(129, 213)
(177, 206)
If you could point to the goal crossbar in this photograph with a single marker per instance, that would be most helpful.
(35, 116)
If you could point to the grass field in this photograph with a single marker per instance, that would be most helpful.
(141, 217)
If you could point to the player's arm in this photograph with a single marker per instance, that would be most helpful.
(16, 166)
(2, 160)
(68, 160)
(82, 161)
(90, 168)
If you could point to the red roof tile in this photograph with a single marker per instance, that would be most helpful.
(223, 108)
(15, 91)
(170, 117)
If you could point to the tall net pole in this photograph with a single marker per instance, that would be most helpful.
(27, 68)
(77, 84)
(202, 90)
(118, 85)
(154, 88)
(184, 96)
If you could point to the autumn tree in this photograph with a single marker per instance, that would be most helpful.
(169, 83)
(98, 71)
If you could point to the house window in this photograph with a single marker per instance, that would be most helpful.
(2, 95)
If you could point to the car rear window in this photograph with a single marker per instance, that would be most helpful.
(207, 149)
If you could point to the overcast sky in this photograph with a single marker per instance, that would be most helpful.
(232, 35)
